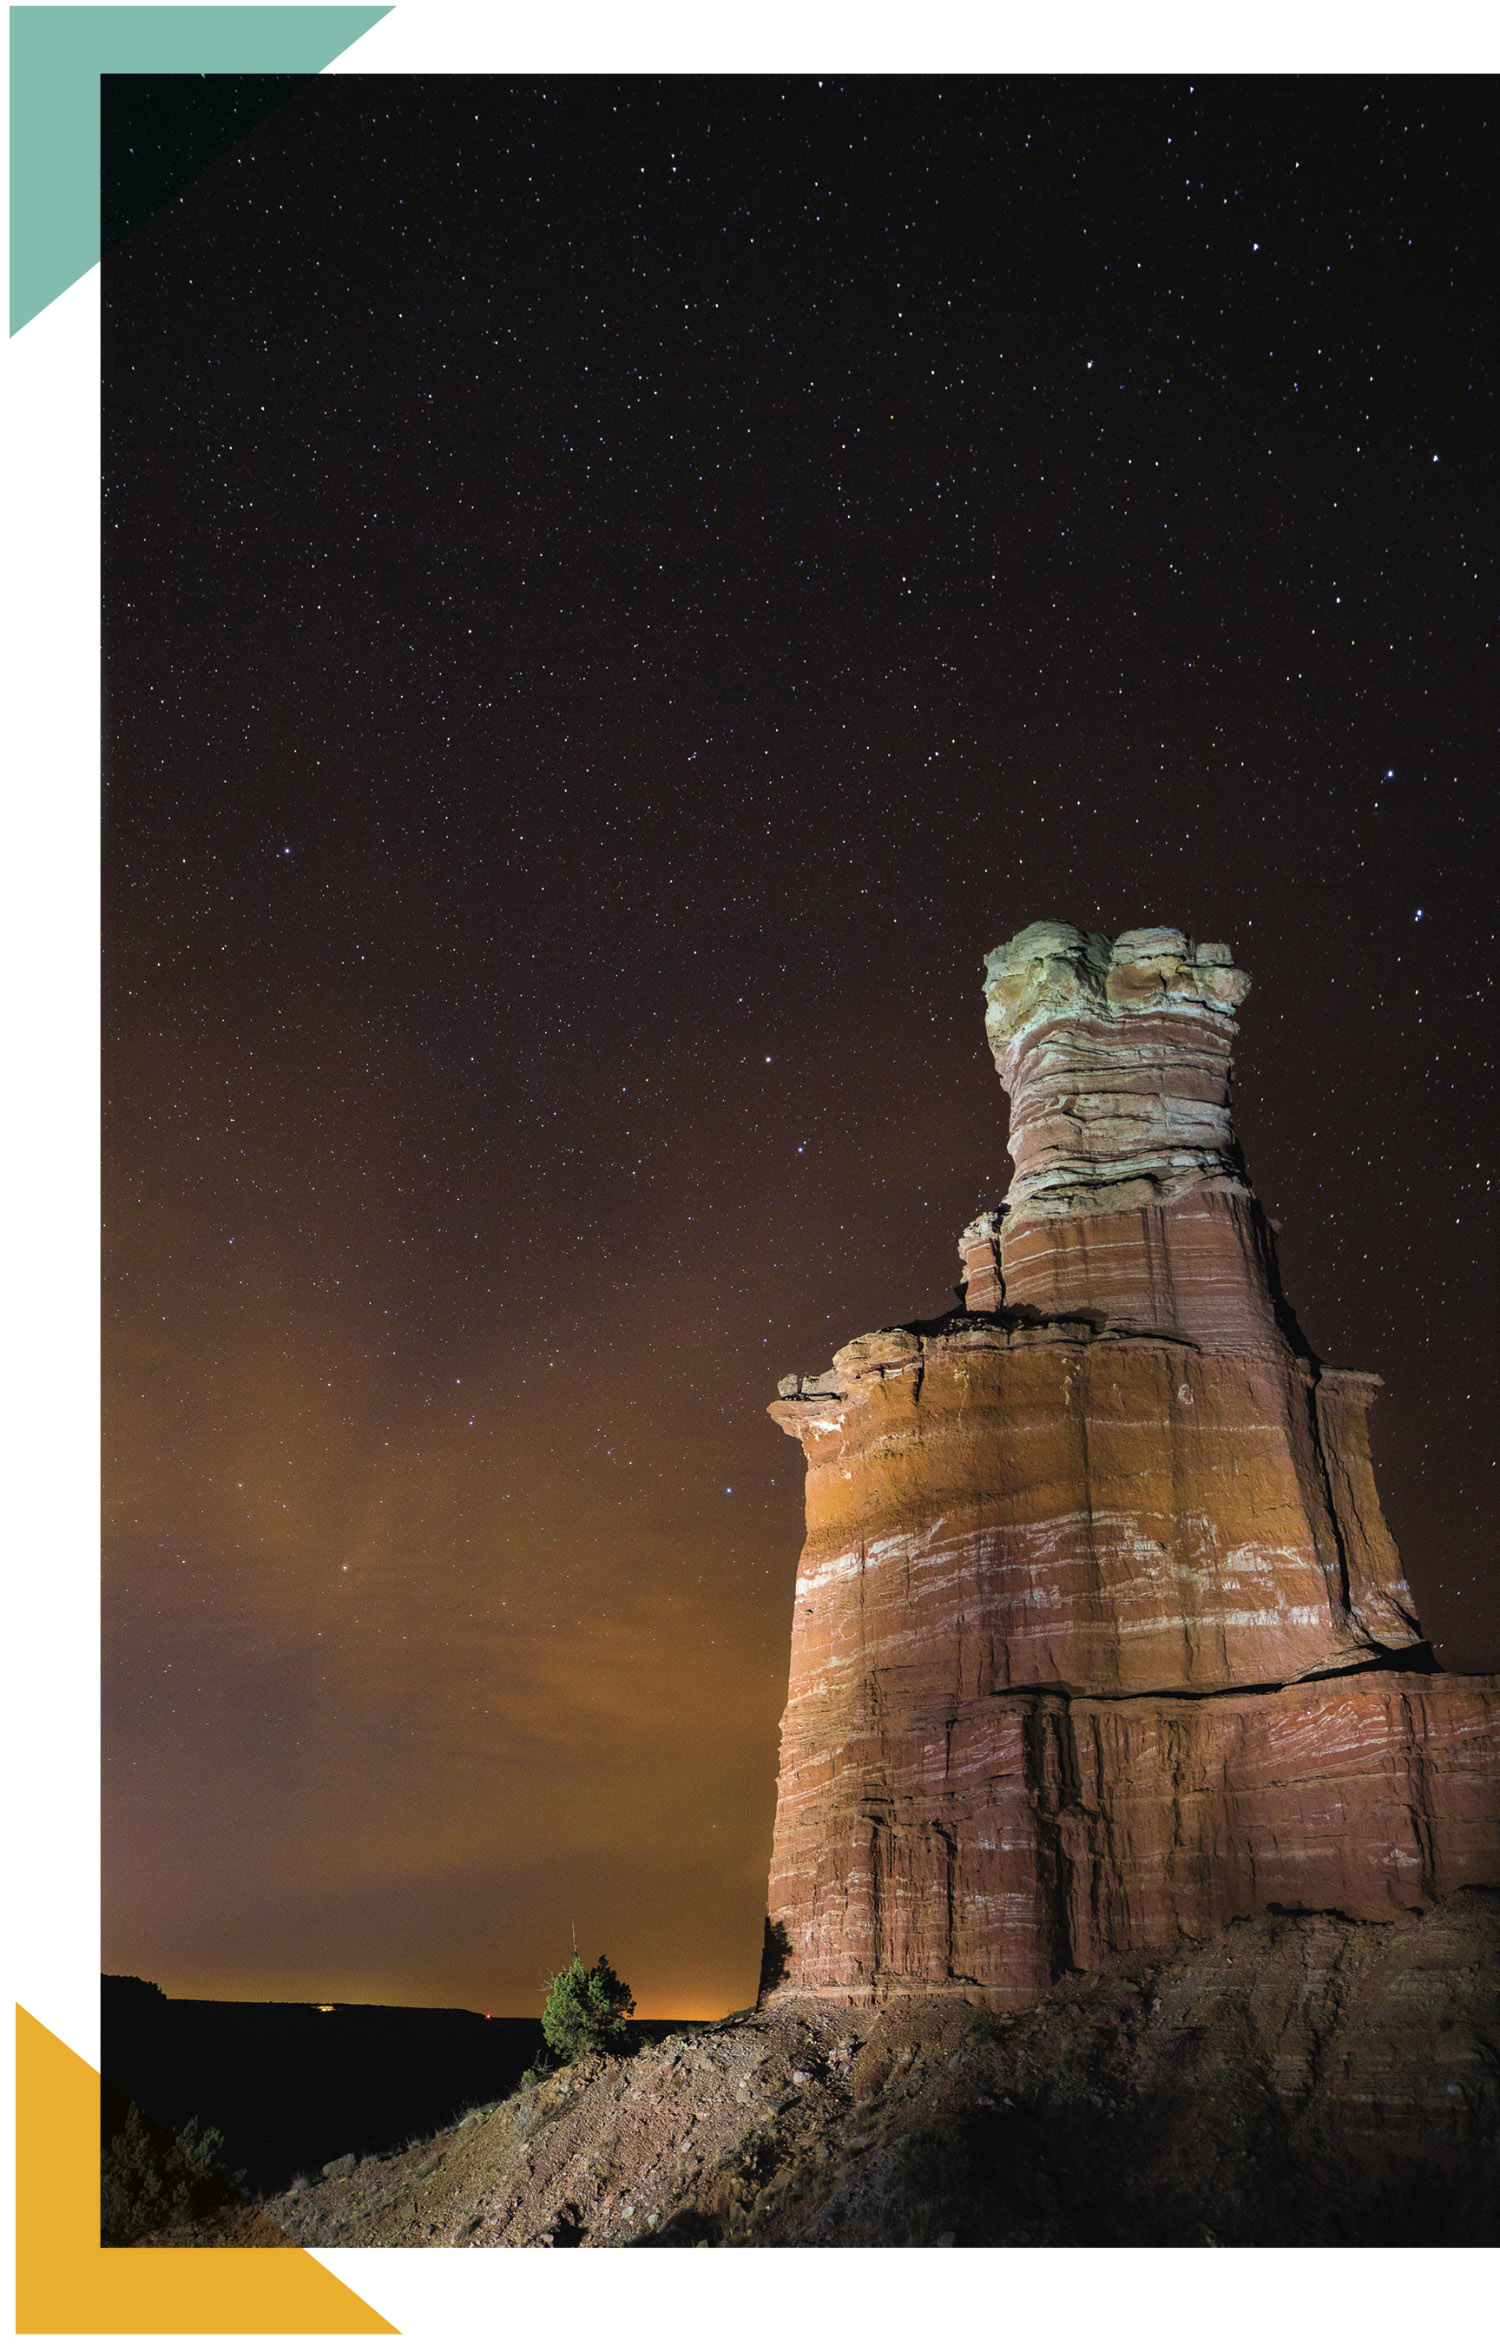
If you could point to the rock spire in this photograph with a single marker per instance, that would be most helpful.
(1130, 1199)
(1100, 1637)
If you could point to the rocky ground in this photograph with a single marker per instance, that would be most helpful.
(1302, 2080)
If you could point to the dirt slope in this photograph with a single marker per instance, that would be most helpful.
(1301, 2080)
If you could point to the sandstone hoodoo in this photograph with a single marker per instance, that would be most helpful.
(1101, 1641)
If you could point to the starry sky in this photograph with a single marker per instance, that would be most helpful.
(617, 594)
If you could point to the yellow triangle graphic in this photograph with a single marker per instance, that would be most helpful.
(67, 2283)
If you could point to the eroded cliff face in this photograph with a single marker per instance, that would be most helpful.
(1079, 1553)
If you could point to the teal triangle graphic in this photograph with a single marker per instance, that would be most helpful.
(56, 58)
(158, 132)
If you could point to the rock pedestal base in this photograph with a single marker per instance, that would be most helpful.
(986, 1851)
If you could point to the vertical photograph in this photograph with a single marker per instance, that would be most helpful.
(799, 1296)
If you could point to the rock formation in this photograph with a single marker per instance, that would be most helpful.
(1101, 1641)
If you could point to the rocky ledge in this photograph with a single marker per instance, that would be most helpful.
(1297, 2080)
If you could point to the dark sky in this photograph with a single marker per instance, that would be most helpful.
(617, 594)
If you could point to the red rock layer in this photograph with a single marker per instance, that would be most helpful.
(1201, 1267)
(982, 1848)
(999, 1505)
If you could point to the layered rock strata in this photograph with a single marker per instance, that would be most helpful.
(1079, 1554)
(1129, 1199)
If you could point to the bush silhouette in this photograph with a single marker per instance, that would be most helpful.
(150, 2181)
(586, 2010)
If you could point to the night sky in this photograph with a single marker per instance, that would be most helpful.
(617, 594)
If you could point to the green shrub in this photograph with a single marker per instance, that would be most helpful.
(587, 2010)
(150, 2181)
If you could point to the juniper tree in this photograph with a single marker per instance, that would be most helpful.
(586, 2010)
